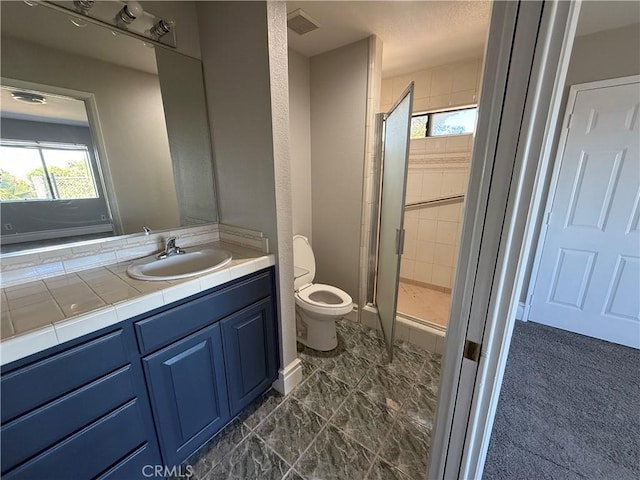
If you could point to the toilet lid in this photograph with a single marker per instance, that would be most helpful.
(303, 258)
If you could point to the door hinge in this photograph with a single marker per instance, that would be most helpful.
(547, 218)
(570, 121)
(472, 351)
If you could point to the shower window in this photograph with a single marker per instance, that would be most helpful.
(452, 122)
(419, 124)
(456, 122)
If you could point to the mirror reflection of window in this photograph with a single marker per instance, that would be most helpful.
(50, 182)
(31, 171)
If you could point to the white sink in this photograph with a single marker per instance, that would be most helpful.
(180, 266)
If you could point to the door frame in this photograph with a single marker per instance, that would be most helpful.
(557, 165)
(526, 61)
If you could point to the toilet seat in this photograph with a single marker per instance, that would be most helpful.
(324, 299)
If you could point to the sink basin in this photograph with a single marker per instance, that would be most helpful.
(180, 266)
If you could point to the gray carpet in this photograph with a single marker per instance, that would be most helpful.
(569, 408)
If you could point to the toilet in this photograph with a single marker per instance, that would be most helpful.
(317, 305)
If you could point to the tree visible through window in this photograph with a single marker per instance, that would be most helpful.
(33, 171)
(455, 122)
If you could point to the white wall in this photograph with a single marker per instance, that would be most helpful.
(599, 56)
(236, 72)
(300, 142)
(137, 149)
(338, 114)
(244, 59)
(607, 54)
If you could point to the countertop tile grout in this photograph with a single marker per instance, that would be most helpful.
(244, 256)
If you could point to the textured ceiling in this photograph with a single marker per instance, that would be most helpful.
(415, 35)
(421, 34)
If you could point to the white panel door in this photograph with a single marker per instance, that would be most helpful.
(588, 279)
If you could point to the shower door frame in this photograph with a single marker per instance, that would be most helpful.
(391, 260)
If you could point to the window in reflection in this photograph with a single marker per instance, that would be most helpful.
(32, 171)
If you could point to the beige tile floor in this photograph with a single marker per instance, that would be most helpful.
(424, 303)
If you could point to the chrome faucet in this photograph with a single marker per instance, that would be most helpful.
(170, 249)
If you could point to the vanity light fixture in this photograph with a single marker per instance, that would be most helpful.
(162, 28)
(83, 6)
(129, 13)
(28, 97)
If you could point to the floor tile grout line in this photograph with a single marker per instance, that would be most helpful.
(304, 452)
(244, 437)
(329, 421)
(290, 465)
(326, 426)
(285, 398)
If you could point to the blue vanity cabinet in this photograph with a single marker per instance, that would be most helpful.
(77, 411)
(146, 392)
(249, 340)
(207, 358)
(187, 387)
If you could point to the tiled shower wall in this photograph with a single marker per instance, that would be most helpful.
(374, 86)
(438, 88)
(438, 166)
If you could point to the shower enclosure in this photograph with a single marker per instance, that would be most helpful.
(434, 192)
(395, 157)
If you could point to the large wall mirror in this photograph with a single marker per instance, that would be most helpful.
(101, 134)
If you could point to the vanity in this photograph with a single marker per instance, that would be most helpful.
(148, 390)
(107, 376)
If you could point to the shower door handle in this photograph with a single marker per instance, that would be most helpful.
(399, 241)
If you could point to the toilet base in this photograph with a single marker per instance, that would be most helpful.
(317, 332)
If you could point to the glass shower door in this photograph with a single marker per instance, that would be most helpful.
(391, 237)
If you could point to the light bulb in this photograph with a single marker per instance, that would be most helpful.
(129, 13)
(135, 9)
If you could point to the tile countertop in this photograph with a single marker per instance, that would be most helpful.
(44, 313)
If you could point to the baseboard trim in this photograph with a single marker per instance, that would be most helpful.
(520, 312)
(289, 377)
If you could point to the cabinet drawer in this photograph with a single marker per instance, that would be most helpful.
(91, 451)
(32, 433)
(163, 328)
(140, 464)
(33, 386)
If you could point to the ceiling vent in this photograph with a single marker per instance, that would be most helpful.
(301, 22)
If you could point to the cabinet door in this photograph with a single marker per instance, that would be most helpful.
(250, 350)
(187, 386)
